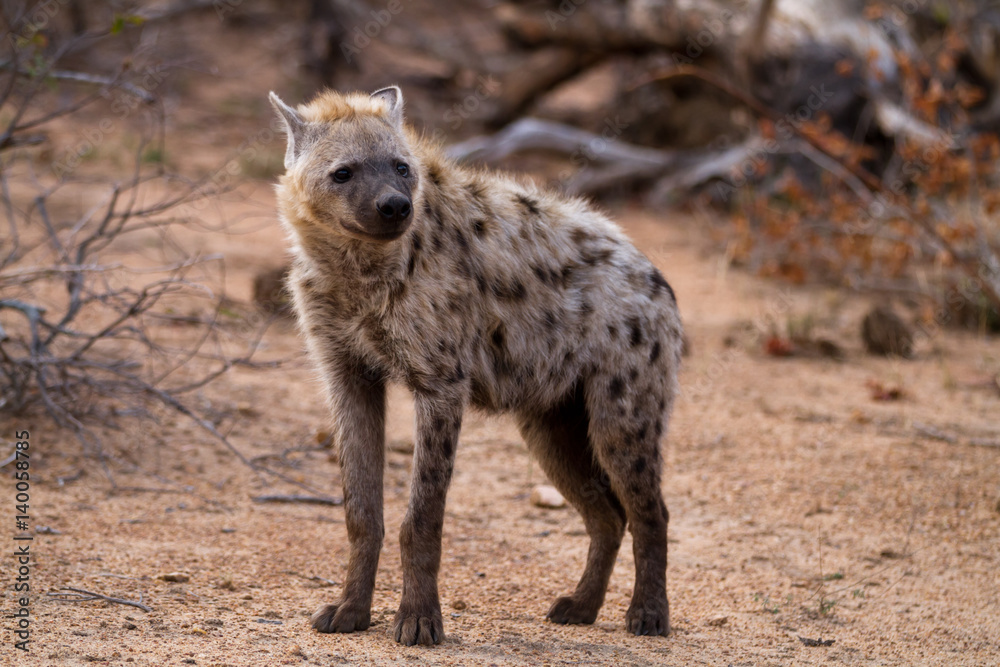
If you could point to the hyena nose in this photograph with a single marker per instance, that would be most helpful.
(394, 208)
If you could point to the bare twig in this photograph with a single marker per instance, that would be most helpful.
(933, 433)
(293, 498)
(81, 595)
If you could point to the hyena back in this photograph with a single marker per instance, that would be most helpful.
(475, 289)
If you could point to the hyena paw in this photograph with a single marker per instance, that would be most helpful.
(341, 618)
(651, 617)
(572, 611)
(418, 626)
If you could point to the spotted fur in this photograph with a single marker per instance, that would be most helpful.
(493, 294)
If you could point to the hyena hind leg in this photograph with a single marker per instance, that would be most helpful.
(558, 439)
(627, 421)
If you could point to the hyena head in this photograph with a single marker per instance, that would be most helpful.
(349, 167)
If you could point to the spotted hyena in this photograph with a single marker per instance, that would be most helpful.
(475, 289)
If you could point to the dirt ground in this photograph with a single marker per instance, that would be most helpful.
(801, 508)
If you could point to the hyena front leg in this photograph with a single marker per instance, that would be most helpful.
(358, 401)
(439, 419)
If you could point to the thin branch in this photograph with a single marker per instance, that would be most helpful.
(294, 498)
(81, 595)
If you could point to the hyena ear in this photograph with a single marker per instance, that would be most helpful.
(393, 98)
(294, 128)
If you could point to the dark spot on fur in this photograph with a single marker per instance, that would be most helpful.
(479, 395)
(448, 447)
(613, 331)
(639, 465)
(418, 242)
(643, 431)
(544, 274)
(481, 283)
(659, 428)
(497, 338)
(616, 388)
(463, 267)
(633, 373)
(433, 214)
(438, 424)
(412, 265)
(659, 284)
(654, 354)
(580, 235)
(635, 488)
(459, 374)
(397, 290)
(479, 226)
(634, 332)
(567, 274)
(436, 240)
(460, 237)
(475, 189)
(434, 174)
(528, 203)
(586, 308)
(515, 291)
(551, 323)
(591, 257)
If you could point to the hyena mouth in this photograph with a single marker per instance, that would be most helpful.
(378, 236)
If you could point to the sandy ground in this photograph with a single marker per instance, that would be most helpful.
(800, 507)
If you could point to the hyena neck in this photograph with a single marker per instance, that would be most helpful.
(360, 271)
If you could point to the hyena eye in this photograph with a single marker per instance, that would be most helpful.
(342, 175)
(402, 169)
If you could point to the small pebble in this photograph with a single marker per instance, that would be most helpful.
(547, 496)
(176, 577)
